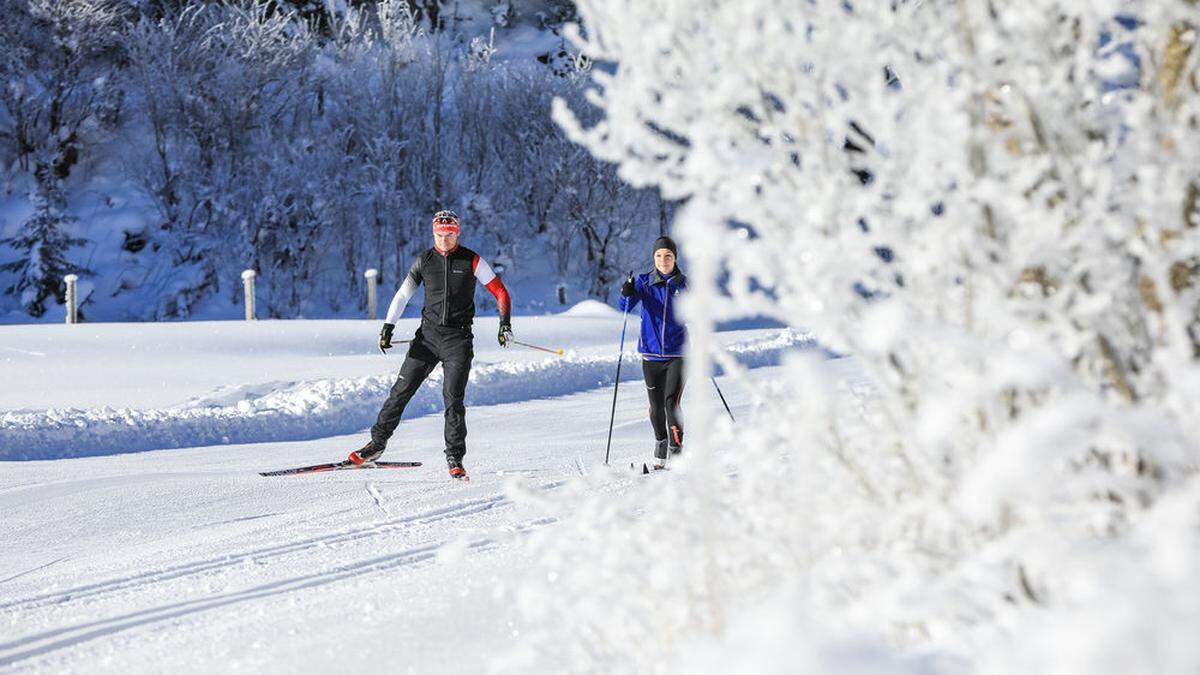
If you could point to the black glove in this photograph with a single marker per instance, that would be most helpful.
(505, 332)
(627, 288)
(385, 337)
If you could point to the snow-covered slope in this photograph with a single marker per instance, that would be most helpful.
(186, 560)
(112, 388)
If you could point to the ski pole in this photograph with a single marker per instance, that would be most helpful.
(620, 357)
(394, 343)
(548, 350)
(714, 381)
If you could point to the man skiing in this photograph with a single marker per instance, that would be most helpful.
(661, 345)
(449, 273)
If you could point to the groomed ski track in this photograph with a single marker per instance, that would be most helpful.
(186, 560)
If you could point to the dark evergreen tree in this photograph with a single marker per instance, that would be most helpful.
(42, 245)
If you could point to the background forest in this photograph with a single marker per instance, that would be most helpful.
(158, 148)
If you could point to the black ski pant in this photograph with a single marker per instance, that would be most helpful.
(664, 385)
(451, 346)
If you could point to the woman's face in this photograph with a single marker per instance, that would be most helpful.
(664, 261)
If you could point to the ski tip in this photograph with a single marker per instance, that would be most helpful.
(645, 469)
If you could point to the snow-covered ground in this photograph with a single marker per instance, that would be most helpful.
(187, 560)
(114, 388)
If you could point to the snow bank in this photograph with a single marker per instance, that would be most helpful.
(319, 408)
(592, 309)
(783, 636)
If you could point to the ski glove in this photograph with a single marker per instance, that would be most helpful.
(627, 289)
(385, 337)
(505, 335)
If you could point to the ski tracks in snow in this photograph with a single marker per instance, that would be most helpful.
(373, 490)
(178, 591)
(32, 570)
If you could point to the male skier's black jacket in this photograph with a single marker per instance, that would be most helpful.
(449, 281)
(444, 337)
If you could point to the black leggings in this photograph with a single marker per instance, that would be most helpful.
(664, 385)
(454, 348)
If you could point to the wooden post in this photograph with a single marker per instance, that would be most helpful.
(248, 283)
(372, 279)
(72, 298)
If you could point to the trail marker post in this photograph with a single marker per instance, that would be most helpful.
(72, 298)
(372, 276)
(248, 283)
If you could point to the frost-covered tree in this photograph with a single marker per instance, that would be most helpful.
(56, 63)
(56, 100)
(309, 159)
(42, 246)
(1011, 257)
(311, 149)
(221, 87)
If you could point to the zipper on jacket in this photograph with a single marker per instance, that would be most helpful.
(662, 343)
(446, 287)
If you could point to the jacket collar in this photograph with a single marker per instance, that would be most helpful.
(657, 277)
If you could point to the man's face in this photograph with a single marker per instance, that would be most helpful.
(445, 242)
(664, 261)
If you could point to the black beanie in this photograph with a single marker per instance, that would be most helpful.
(664, 242)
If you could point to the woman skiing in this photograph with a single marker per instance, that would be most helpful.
(661, 345)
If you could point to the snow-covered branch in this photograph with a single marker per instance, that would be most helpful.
(998, 222)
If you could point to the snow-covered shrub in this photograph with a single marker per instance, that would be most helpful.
(218, 84)
(56, 64)
(265, 145)
(1008, 247)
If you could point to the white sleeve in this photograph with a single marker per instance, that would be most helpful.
(400, 300)
(483, 271)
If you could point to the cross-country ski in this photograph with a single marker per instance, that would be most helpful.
(340, 466)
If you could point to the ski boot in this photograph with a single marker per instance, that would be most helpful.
(660, 455)
(366, 454)
(456, 469)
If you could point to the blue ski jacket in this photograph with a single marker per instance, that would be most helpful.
(662, 336)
